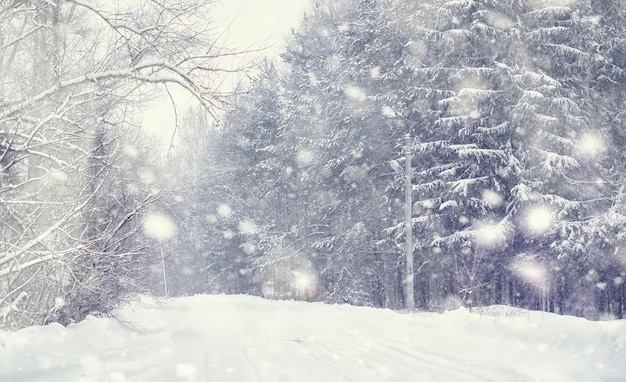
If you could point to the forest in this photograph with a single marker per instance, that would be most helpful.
(293, 186)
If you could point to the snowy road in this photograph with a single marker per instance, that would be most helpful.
(239, 338)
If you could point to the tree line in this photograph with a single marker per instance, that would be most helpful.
(515, 110)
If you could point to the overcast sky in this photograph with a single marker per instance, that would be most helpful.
(256, 24)
(255, 21)
(248, 24)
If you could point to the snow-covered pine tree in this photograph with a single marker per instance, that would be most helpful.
(504, 104)
(605, 86)
(252, 212)
(457, 111)
(557, 144)
(356, 74)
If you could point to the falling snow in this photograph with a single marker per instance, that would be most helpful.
(530, 270)
(591, 145)
(375, 72)
(356, 93)
(491, 235)
(498, 20)
(224, 210)
(159, 227)
(186, 370)
(247, 227)
(492, 198)
(388, 112)
(538, 220)
(304, 157)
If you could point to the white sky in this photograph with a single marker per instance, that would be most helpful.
(255, 21)
(248, 24)
(257, 24)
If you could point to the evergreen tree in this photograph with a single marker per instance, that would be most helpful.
(517, 155)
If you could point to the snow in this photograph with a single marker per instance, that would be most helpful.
(530, 270)
(247, 227)
(492, 198)
(243, 338)
(388, 112)
(491, 234)
(591, 145)
(498, 20)
(375, 72)
(303, 280)
(538, 220)
(355, 93)
(304, 157)
(224, 210)
(158, 226)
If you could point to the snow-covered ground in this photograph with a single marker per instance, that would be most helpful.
(241, 338)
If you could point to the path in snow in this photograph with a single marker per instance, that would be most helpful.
(240, 338)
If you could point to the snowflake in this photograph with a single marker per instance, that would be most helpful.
(304, 157)
(492, 198)
(590, 145)
(538, 219)
(224, 210)
(355, 93)
(160, 227)
(247, 227)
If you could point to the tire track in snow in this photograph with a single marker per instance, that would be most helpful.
(239, 338)
(385, 357)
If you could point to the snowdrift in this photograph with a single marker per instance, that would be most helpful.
(242, 338)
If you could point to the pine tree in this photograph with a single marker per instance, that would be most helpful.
(342, 76)
(516, 199)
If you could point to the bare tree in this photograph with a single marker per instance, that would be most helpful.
(73, 77)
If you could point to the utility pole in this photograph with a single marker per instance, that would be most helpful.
(164, 277)
(408, 216)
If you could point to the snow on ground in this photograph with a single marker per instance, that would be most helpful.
(242, 338)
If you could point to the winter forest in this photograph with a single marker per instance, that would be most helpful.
(292, 185)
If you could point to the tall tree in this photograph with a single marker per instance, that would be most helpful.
(517, 189)
(72, 77)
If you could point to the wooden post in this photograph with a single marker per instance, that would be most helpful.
(408, 215)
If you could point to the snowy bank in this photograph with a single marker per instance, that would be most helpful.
(242, 338)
